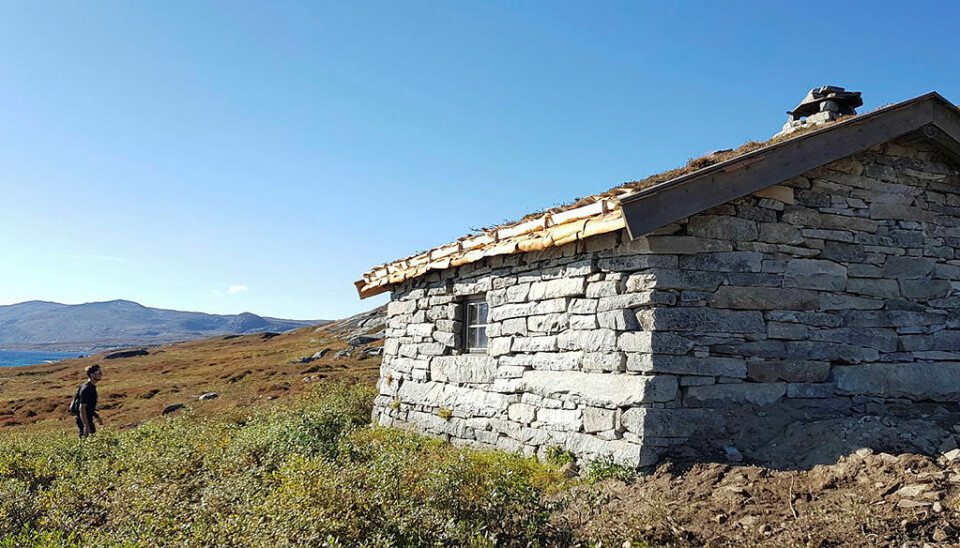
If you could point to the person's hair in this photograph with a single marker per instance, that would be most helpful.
(91, 369)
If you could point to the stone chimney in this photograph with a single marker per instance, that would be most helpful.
(821, 105)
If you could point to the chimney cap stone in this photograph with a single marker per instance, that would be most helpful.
(818, 98)
(821, 105)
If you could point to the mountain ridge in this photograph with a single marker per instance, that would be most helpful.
(102, 325)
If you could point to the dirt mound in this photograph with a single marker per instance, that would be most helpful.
(865, 499)
(799, 436)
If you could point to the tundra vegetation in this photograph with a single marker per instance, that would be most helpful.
(279, 461)
(311, 474)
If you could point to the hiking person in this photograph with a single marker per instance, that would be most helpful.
(87, 401)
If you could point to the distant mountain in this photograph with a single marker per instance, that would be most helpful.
(41, 325)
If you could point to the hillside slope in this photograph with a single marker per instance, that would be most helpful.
(393, 484)
(242, 369)
(41, 325)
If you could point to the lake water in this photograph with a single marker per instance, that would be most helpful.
(14, 358)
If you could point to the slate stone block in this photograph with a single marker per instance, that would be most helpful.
(765, 298)
(815, 274)
(938, 381)
(794, 371)
(687, 365)
(736, 261)
(722, 227)
(727, 395)
(701, 320)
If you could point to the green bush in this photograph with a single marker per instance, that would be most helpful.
(314, 475)
(599, 470)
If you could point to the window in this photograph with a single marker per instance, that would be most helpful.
(475, 326)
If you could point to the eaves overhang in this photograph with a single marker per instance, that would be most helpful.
(659, 205)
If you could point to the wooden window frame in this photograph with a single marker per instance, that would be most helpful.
(469, 303)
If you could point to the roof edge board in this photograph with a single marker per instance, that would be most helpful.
(684, 196)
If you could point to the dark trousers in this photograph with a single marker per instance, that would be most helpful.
(93, 427)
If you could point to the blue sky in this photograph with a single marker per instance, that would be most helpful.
(260, 156)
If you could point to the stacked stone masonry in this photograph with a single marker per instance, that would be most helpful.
(827, 292)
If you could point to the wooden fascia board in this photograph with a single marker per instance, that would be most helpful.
(371, 291)
(673, 200)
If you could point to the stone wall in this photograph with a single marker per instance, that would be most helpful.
(826, 294)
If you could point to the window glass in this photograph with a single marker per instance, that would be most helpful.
(476, 326)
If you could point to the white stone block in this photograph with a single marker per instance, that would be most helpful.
(546, 343)
(563, 287)
(596, 419)
(601, 389)
(596, 340)
(560, 419)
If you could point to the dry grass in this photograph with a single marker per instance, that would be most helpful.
(244, 370)
(692, 165)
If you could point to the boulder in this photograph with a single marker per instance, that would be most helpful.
(127, 354)
(171, 408)
(209, 396)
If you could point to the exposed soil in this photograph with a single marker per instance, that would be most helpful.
(850, 480)
(863, 500)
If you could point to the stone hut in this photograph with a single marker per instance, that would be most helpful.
(814, 275)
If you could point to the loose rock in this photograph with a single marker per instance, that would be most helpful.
(171, 408)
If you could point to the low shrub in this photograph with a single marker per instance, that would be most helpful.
(314, 475)
(602, 469)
